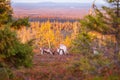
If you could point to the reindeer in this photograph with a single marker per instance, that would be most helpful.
(45, 50)
(62, 49)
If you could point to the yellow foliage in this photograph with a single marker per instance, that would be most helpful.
(102, 38)
(75, 31)
(58, 38)
(45, 34)
(24, 34)
(49, 34)
(67, 41)
(95, 35)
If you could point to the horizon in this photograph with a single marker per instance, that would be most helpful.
(53, 9)
(54, 1)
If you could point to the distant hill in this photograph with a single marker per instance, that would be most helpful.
(50, 9)
(51, 5)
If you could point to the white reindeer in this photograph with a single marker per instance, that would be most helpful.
(62, 49)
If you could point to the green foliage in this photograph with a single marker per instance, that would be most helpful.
(6, 16)
(98, 78)
(5, 12)
(82, 44)
(96, 66)
(105, 21)
(82, 65)
(4, 75)
(110, 1)
(113, 77)
(12, 51)
(23, 55)
(7, 41)
(97, 23)
(17, 24)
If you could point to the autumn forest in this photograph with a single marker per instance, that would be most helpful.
(60, 40)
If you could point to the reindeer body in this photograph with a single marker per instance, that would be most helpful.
(47, 51)
(62, 49)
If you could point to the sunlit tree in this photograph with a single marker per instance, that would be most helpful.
(45, 35)
(5, 12)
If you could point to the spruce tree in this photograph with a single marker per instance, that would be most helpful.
(106, 21)
(6, 16)
(5, 12)
(13, 53)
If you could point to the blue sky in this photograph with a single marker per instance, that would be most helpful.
(80, 1)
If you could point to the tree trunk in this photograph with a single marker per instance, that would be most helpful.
(49, 44)
(117, 46)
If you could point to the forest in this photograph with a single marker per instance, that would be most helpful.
(55, 48)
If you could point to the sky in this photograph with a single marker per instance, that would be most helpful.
(80, 1)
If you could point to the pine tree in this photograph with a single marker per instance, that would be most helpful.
(12, 51)
(6, 16)
(5, 11)
(106, 21)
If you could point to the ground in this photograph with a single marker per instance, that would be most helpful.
(57, 67)
(48, 67)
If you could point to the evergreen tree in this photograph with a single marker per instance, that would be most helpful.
(105, 21)
(5, 11)
(6, 16)
(12, 51)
